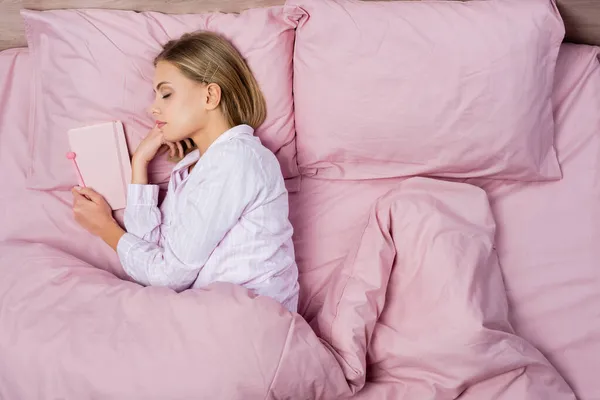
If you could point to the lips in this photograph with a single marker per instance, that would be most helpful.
(160, 124)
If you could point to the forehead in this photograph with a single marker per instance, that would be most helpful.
(165, 71)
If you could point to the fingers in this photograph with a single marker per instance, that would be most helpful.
(154, 132)
(172, 149)
(77, 196)
(176, 149)
(89, 193)
(156, 129)
(180, 148)
(79, 202)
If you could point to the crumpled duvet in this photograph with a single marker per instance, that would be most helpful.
(417, 310)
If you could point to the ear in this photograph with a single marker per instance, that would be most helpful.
(213, 96)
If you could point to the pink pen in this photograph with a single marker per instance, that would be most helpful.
(71, 156)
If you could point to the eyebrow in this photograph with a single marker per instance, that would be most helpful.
(160, 84)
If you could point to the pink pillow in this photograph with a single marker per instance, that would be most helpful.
(452, 89)
(96, 65)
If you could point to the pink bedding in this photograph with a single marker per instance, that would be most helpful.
(438, 88)
(547, 238)
(549, 233)
(416, 306)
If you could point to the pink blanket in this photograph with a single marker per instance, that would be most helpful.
(425, 263)
(417, 309)
(73, 331)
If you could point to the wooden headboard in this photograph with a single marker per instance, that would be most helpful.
(582, 20)
(582, 17)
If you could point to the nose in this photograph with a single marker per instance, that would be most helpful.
(153, 109)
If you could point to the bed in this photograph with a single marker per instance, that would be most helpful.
(415, 284)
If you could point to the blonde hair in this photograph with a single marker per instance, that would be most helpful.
(209, 58)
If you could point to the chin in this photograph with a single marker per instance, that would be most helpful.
(169, 138)
(173, 138)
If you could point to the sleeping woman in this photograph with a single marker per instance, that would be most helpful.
(225, 215)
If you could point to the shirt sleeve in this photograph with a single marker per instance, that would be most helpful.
(215, 199)
(142, 216)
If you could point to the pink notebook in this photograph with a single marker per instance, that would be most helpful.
(103, 160)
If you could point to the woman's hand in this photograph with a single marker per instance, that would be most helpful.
(93, 213)
(148, 149)
(91, 210)
(151, 145)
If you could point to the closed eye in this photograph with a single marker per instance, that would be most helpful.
(166, 96)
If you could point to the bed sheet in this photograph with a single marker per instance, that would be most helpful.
(25, 214)
(548, 234)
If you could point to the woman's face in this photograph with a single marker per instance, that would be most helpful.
(179, 107)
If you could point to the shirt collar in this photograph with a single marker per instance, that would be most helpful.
(194, 156)
(233, 132)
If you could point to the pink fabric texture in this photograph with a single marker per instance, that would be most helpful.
(72, 330)
(94, 66)
(548, 233)
(546, 238)
(76, 331)
(425, 265)
(451, 89)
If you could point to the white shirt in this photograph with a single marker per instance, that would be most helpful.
(225, 221)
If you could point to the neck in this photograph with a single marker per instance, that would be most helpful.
(210, 133)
